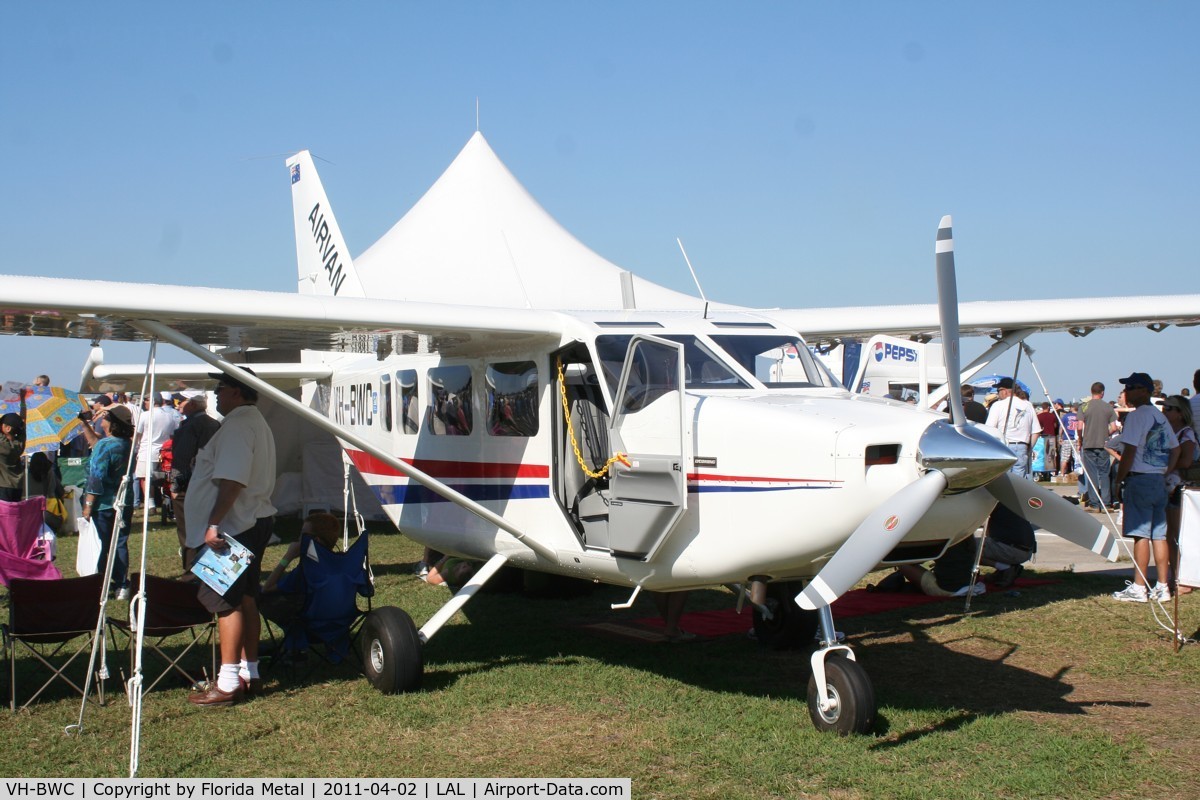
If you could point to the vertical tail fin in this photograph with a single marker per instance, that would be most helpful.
(322, 260)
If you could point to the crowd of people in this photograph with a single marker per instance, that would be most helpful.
(1132, 456)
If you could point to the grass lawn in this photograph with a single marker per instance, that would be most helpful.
(1053, 692)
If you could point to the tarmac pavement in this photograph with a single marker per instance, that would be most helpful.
(1055, 554)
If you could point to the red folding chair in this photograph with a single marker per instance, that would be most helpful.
(172, 608)
(46, 618)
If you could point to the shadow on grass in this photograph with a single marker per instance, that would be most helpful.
(965, 678)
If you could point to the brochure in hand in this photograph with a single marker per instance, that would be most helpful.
(220, 569)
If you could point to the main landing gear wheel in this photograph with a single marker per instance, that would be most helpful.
(790, 625)
(391, 651)
(853, 698)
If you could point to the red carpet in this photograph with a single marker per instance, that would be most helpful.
(855, 603)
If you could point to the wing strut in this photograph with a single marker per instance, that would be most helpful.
(153, 328)
(986, 357)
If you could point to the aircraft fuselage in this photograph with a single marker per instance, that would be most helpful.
(727, 476)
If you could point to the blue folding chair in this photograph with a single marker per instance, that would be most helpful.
(330, 584)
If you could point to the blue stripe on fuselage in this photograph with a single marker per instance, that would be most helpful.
(707, 489)
(399, 494)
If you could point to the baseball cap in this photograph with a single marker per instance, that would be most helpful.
(1138, 379)
(1004, 383)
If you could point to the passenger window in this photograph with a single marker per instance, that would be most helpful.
(410, 407)
(385, 393)
(449, 412)
(512, 399)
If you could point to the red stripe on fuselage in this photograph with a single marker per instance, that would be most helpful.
(367, 463)
(703, 476)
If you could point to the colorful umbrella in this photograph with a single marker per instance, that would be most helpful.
(51, 418)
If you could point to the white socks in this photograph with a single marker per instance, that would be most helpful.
(227, 678)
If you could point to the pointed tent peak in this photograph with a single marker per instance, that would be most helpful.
(478, 237)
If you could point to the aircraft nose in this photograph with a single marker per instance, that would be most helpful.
(967, 457)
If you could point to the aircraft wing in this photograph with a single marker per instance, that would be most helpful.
(1078, 316)
(100, 310)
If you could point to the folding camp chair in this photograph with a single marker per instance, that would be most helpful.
(21, 556)
(46, 617)
(171, 608)
(331, 583)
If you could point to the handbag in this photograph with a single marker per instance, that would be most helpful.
(88, 555)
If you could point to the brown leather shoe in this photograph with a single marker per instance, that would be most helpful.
(213, 697)
(252, 687)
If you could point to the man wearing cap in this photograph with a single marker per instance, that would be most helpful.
(229, 495)
(193, 433)
(1016, 420)
(1151, 450)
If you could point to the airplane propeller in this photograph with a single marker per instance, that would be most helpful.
(1044, 509)
(959, 459)
(873, 539)
(948, 317)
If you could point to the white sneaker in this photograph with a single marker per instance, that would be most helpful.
(1132, 593)
(1161, 592)
(123, 593)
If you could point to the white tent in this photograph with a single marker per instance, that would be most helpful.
(477, 237)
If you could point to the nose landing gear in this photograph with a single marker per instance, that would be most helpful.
(841, 698)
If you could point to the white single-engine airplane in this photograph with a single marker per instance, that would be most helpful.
(643, 444)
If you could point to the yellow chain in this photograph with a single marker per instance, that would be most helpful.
(562, 391)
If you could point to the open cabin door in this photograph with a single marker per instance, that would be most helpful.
(649, 495)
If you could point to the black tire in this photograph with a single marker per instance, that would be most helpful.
(790, 626)
(854, 712)
(391, 651)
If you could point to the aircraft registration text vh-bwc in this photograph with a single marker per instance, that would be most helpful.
(540, 407)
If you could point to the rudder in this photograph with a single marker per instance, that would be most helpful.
(323, 262)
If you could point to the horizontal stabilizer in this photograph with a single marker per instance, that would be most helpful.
(106, 377)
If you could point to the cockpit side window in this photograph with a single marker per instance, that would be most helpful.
(702, 368)
(778, 360)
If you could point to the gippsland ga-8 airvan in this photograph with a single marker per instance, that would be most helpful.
(513, 398)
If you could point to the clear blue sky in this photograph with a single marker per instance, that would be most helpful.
(804, 152)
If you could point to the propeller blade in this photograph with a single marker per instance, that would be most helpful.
(1042, 508)
(948, 316)
(881, 531)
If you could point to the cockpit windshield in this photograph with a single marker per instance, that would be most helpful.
(778, 360)
(702, 369)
